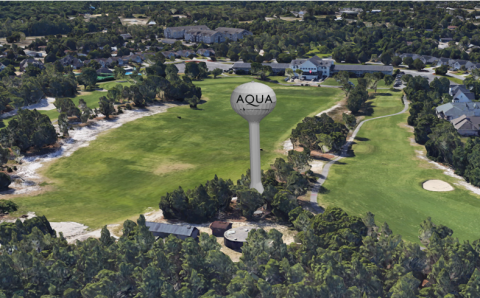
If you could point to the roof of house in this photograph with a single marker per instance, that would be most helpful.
(466, 122)
(199, 51)
(104, 70)
(455, 88)
(468, 94)
(169, 228)
(206, 32)
(126, 35)
(462, 62)
(220, 225)
(197, 27)
(317, 61)
(230, 30)
(457, 109)
(356, 67)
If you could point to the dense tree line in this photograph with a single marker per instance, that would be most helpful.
(441, 139)
(333, 255)
(283, 183)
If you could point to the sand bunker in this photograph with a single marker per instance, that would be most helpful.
(437, 185)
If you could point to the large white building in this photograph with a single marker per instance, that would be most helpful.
(202, 33)
(312, 68)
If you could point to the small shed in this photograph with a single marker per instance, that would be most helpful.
(162, 230)
(220, 227)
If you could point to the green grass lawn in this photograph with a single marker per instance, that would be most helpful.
(385, 177)
(126, 170)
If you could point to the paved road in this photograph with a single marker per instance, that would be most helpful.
(326, 168)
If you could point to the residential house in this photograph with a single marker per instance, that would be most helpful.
(104, 70)
(376, 10)
(428, 59)
(453, 110)
(185, 53)
(467, 125)
(169, 54)
(30, 61)
(409, 43)
(452, 27)
(151, 23)
(2, 66)
(206, 36)
(163, 230)
(350, 10)
(443, 61)
(126, 36)
(459, 63)
(473, 66)
(206, 52)
(114, 61)
(72, 61)
(460, 93)
(179, 32)
(33, 54)
(233, 34)
(445, 39)
(312, 68)
(132, 58)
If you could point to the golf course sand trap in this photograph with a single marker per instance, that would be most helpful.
(80, 137)
(437, 185)
(449, 172)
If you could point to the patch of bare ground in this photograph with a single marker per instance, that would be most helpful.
(168, 168)
(337, 112)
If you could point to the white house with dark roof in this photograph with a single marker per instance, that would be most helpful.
(233, 34)
(460, 93)
(459, 63)
(312, 68)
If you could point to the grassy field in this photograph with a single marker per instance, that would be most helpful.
(385, 177)
(126, 170)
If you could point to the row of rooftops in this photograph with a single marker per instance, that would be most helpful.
(198, 28)
(432, 59)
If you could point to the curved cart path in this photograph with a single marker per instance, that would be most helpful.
(326, 167)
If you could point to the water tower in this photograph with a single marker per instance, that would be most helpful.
(253, 101)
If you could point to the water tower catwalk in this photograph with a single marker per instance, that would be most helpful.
(253, 101)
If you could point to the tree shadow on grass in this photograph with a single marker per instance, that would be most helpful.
(362, 139)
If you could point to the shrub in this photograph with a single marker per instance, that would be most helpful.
(5, 181)
(9, 169)
(8, 206)
(14, 168)
(128, 106)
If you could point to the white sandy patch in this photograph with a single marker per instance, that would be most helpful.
(329, 110)
(44, 104)
(317, 166)
(80, 137)
(437, 185)
(153, 215)
(449, 172)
